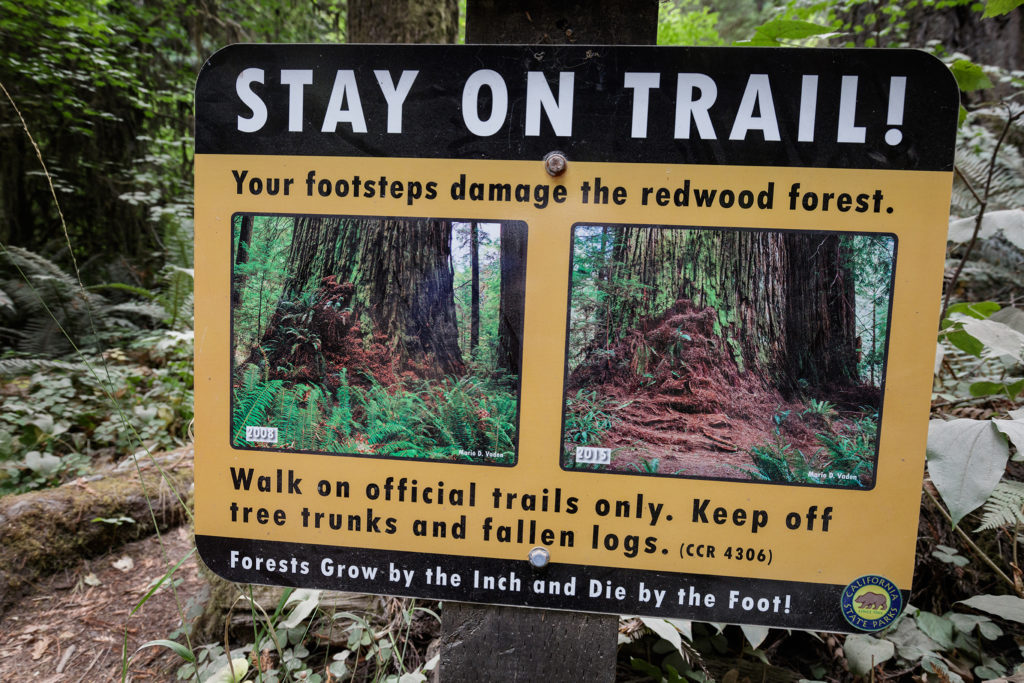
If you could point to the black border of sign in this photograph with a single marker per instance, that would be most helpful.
(812, 606)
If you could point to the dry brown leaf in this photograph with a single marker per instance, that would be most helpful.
(39, 649)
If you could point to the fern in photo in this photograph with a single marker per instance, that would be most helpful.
(393, 421)
(779, 463)
(458, 416)
(298, 416)
(252, 402)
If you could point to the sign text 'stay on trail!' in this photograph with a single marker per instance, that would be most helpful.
(687, 366)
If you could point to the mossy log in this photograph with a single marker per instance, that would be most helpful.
(43, 532)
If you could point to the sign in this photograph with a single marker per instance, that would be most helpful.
(611, 329)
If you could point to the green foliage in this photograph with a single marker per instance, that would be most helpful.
(687, 23)
(58, 418)
(780, 32)
(646, 465)
(850, 451)
(588, 418)
(468, 417)
(779, 463)
(251, 402)
(969, 76)
(995, 8)
(820, 408)
(1004, 507)
(285, 645)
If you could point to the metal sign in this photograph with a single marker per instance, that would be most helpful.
(611, 329)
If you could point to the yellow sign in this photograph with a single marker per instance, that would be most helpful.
(691, 388)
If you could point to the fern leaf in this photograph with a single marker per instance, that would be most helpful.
(1005, 506)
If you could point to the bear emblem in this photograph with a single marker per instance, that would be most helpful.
(871, 600)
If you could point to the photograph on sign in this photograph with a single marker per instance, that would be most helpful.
(375, 336)
(755, 355)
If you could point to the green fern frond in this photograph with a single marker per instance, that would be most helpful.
(1005, 506)
(252, 402)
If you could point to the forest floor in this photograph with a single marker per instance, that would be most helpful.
(678, 404)
(72, 625)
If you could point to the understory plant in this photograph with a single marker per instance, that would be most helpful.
(452, 418)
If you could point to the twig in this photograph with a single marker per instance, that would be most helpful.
(64, 660)
(972, 545)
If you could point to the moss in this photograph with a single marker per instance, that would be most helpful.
(46, 531)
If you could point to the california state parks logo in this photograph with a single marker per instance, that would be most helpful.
(871, 602)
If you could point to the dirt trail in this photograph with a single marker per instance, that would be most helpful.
(72, 626)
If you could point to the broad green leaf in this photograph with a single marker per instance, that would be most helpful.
(755, 634)
(775, 31)
(1007, 222)
(685, 627)
(986, 388)
(42, 463)
(911, 642)
(966, 623)
(1014, 431)
(999, 339)
(1011, 316)
(305, 602)
(965, 342)
(969, 76)
(865, 652)
(176, 648)
(231, 673)
(978, 309)
(939, 629)
(966, 459)
(950, 556)
(1006, 606)
(994, 8)
(664, 630)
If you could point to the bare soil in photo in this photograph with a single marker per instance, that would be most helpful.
(687, 404)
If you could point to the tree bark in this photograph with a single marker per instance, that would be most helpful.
(512, 295)
(405, 284)
(403, 21)
(474, 285)
(783, 302)
(241, 258)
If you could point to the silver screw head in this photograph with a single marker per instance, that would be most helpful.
(555, 163)
(539, 557)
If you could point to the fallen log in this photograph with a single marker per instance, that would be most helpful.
(42, 532)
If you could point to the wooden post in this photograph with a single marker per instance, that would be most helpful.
(488, 643)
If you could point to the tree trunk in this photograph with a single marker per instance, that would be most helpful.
(783, 302)
(241, 258)
(403, 21)
(512, 295)
(45, 531)
(310, 255)
(405, 284)
(474, 285)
